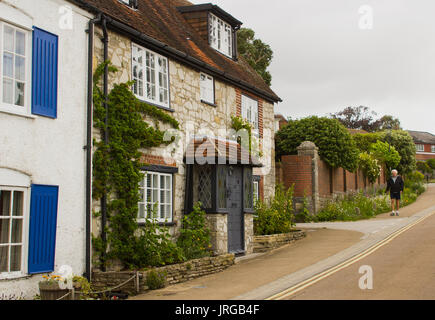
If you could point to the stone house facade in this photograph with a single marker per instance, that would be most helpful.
(202, 88)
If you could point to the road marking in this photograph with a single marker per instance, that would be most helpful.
(313, 280)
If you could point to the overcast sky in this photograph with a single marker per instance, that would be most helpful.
(324, 62)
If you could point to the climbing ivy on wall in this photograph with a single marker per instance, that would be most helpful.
(117, 174)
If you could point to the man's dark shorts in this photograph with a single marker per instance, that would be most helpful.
(395, 196)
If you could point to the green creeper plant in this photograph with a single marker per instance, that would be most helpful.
(117, 174)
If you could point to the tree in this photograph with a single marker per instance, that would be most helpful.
(258, 54)
(431, 163)
(365, 141)
(336, 146)
(424, 167)
(385, 154)
(370, 167)
(386, 123)
(362, 118)
(404, 144)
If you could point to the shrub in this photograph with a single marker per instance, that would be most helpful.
(369, 166)
(276, 217)
(415, 183)
(354, 207)
(336, 146)
(194, 239)
(155, 280)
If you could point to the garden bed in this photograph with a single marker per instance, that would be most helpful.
(267, 243)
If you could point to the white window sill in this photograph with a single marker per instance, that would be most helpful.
(22, 115)
(13, 276)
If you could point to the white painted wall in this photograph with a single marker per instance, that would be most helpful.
(51, 151)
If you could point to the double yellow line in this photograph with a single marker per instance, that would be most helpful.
(309, 282)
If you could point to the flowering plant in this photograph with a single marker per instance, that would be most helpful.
(53, 279)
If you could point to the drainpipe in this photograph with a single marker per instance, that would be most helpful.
(106, 135)
(89, 146)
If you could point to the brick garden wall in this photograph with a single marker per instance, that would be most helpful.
(300, 170)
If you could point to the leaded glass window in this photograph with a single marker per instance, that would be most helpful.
(222, 187)
(248, 188)
(205, 177)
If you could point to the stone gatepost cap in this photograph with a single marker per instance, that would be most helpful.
(307, 145)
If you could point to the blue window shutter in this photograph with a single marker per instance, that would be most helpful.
(42, 233)
(44, 73)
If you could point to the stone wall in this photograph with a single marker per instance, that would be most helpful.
(218, 225)
(266, 243)
(174, 274)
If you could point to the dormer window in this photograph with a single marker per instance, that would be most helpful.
(220, 35)
(130, 3)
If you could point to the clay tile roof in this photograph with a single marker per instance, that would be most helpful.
(162, 21)
(422, 137)
(209, 150)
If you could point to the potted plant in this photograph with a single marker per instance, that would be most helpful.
(82, 288)
(50, 289)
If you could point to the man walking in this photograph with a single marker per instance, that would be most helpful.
(395, 185)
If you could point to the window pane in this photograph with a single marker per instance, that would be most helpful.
(4, 259)
(168, 212)
(4, 231)
(20, 45)
(8, 65)
(17, 231)
(20, 64)
(162, 212)
(162, 197)
(168, 197)
(9, 39)
(162, 182)
(141, 214)
(155, 195)
(8, 91)
(19, 94)
(155, 181)
(5, 203)
(15, 258)
(17, 209)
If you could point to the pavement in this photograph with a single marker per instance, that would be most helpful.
(327, 246)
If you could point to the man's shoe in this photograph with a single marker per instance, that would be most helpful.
(397, 213)
(393, 214)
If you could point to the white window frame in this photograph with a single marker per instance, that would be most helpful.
(420, 147)
(158, 83)
(144, 188)
(12, 108)
(24, 235)
(207, 88)
(433, 148)
(220, 35)
(250, 112)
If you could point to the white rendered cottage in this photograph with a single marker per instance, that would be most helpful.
(43, 98)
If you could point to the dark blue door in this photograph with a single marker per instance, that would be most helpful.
(235, 211)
